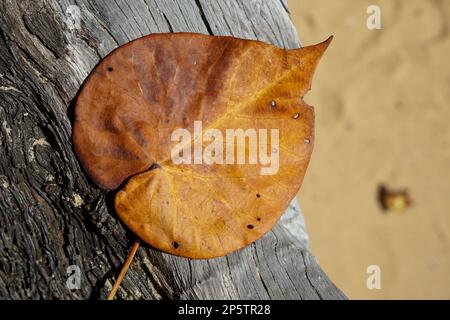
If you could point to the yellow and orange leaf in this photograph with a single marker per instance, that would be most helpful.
(143, 91)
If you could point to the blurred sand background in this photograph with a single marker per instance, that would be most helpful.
(382, 101)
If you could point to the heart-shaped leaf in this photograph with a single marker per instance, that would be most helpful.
(231, 109)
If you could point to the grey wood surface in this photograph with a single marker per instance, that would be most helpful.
(52, 216)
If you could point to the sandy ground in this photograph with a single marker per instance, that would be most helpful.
(382, 116)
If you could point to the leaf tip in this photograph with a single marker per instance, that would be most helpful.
(319, 47)
(324, 44)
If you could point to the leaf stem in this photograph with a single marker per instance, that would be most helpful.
(124, 270)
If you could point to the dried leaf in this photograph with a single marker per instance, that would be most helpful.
(396, 200)
(139, 94)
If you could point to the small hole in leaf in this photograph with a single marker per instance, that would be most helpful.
(175, 244)
(250, 226)
(296, 115)
(273, 104)
(258, 195)
(110, 69)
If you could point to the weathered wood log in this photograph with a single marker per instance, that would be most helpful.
(52, 216)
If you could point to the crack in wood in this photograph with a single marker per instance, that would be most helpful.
(204, 19)
(168, 22)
